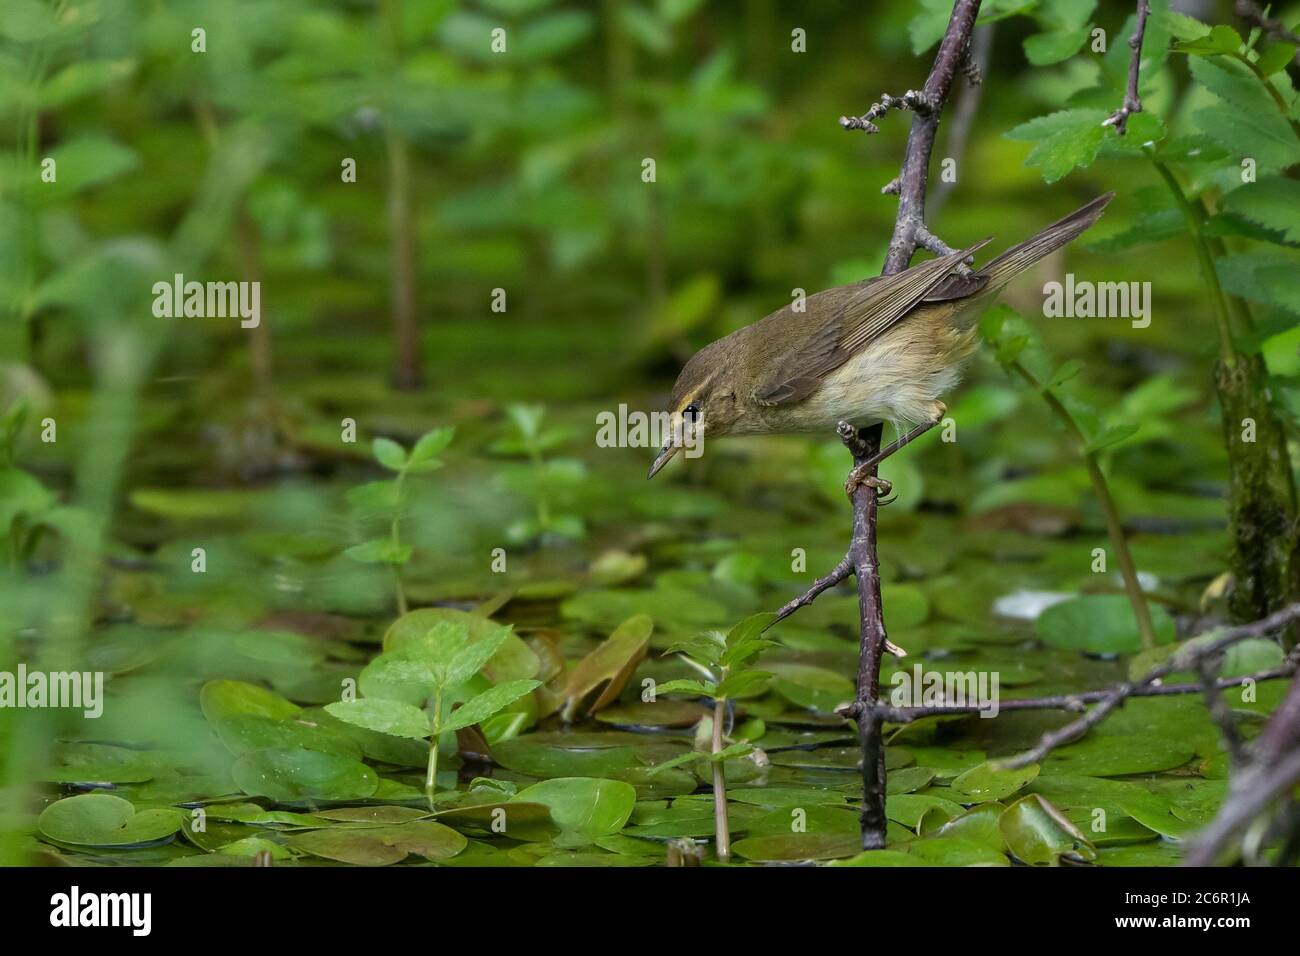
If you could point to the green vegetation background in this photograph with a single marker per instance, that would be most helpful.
(522, 172)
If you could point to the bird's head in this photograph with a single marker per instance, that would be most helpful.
(705, 398)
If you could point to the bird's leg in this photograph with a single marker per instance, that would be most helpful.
(861, 474)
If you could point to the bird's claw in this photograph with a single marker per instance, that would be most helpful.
(856, 480)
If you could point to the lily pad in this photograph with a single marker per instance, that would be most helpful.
(1100, 624)
(988, 782)
(587, 806)
(101, 819)
(788, 847)
(1038, 833)
(289, 775)
(381, 846)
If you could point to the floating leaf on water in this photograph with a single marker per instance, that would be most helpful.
(909, 779)
(381, 846)
(617, 567)
(882, 858)
(987, 781)
(1108, 756)
(378, 815)
(908, 808)
(587, 806)
(1100, 624)
(664, 712)
(1038, 833)
(977, 825)
(611, 663)
(100, 819)
(289, 775)
(954, 851)
(788, 847)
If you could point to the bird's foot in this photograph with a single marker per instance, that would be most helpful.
(860, 477)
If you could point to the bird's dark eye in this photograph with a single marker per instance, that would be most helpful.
(692, 411)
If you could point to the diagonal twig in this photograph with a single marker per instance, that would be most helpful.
(1185, 658)
(926, 106)
(1132, 102)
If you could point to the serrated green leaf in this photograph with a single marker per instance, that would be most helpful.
(383, 716)
(489, 702)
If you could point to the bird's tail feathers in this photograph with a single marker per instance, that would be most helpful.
(1017, 259)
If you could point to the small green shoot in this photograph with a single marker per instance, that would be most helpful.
(726, 661)
(433, 671)
(387, 499)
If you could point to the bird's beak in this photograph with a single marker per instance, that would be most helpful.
(661, 459)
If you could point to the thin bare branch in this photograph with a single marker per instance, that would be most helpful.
(1132, 102)
(1077, 703)
(926, 106)
(1186, 658)
(1274, 29)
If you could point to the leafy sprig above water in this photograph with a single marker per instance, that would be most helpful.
(727, 663)
(435, 669)
(386, 500)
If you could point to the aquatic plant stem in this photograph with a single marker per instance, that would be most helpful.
(431, 776)
(1194, 218)
(394, 533)
(721, 824)
(1101, 488)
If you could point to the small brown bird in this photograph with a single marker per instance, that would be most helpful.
(884, 349)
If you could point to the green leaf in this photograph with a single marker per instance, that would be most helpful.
(1063, 140)
(1044, 49)
(1276, 58)
(472, 658)
(750, 628)
(687, 687)
(1272, 201)
(380, 551)
(290, 775)
(587, 806)
(1099, 624)
(486, 704)
(1261, 277)
(88, 161)
(430, 445)
(384, 716)
(1110, 435)
(1038, 833)
(743, 683)
(389, 454)
(380, 846)
(100, 819)
(1222, 39)
(987, 781)
(705, 648)
(527, 418)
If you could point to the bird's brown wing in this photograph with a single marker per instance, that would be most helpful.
(869, 313)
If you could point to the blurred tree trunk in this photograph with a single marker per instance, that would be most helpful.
(401, 223)
(1262, 498)
(250, 259)
(407, 372)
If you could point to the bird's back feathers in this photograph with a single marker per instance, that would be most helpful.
(868, 311)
